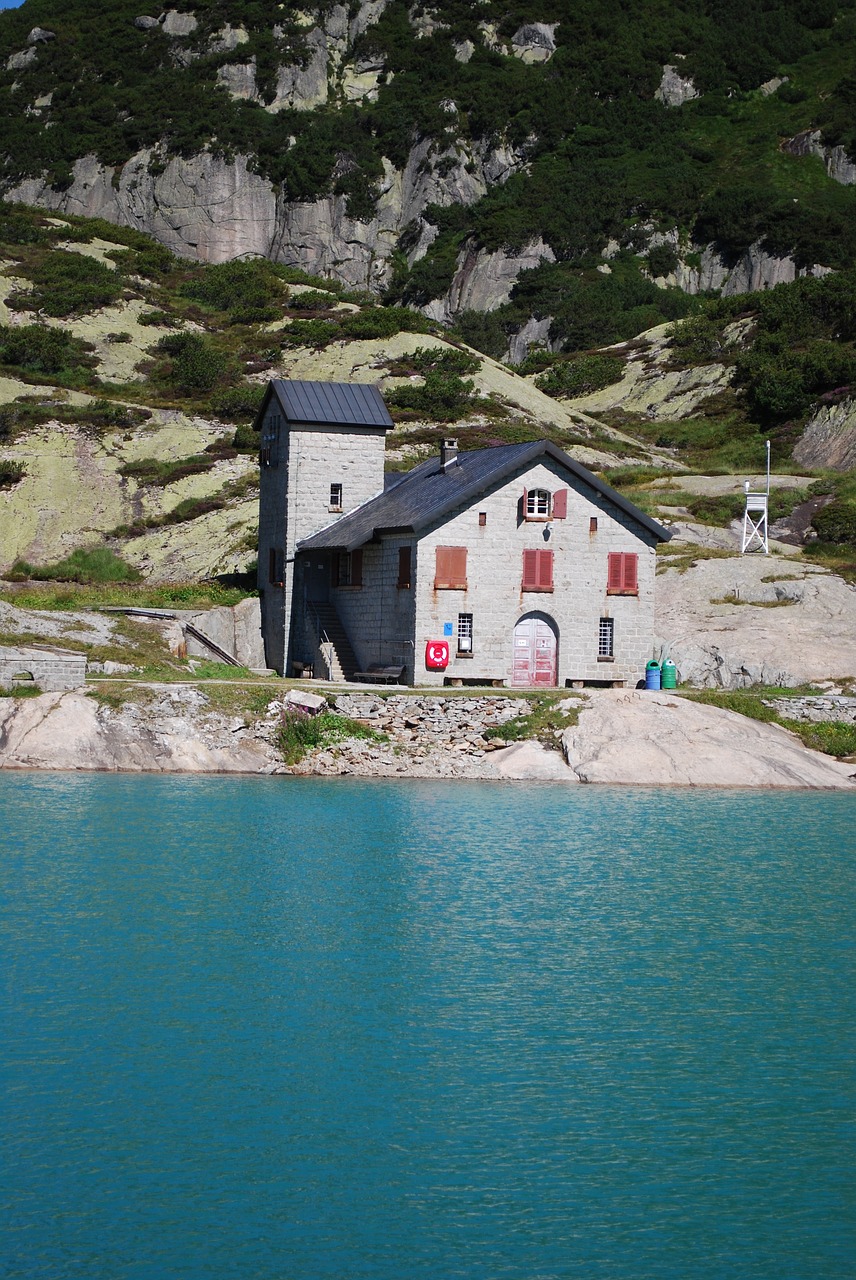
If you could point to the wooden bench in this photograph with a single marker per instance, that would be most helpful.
(379, 674)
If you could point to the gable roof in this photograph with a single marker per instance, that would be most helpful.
(424, 495)
(335, 403)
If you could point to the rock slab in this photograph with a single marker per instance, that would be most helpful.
(640, 738)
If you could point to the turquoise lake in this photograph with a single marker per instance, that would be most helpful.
(287, 1029)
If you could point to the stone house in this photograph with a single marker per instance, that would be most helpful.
(513, 565)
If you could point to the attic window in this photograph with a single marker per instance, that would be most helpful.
(335, 497)
(537, 505)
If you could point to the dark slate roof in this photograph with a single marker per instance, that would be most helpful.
(427, 493)
(340, 403)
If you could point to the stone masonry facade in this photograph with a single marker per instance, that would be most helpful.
(297, 475)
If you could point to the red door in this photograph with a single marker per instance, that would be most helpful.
(535, 652)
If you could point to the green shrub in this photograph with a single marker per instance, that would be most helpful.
(834, 737)
(582, 376)
(383, 322)
(153, 318)
(196, 362)
(311, 300)
(242, 401)
(310, 333)
(662, 260)
(42, 349)
(836, 523)
(249, 290)
(11, 473)
(68, 284)
(157, 473)
(298, 733)
(443, 397)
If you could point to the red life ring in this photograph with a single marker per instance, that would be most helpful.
(437, 655)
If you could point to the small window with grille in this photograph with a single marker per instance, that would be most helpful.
(335, 497)
(606, 640)
(465, 635)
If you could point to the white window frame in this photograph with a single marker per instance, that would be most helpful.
(465, 635)
(538, 504)
(336, 495)
(606, 640)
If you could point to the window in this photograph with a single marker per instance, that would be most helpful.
(451, 569)
(465, 634)
(276, 558)
(540, 504)
(482, 519)
(621, 577)
(606, 640)
(270, 435)
(536, 504)
(335, 497)
(347, 569)
(537, 570)
(592, 524)
(404, 568)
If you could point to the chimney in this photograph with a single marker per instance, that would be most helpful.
(448, 453)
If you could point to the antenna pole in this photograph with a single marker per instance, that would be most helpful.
(768, 468)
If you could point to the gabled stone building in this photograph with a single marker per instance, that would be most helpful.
(513, 565)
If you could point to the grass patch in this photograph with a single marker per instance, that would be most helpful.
(299, 733)
(544, 723)
(86, 565)
(832, 737)
(20, 691)
(82, 596)
(116, 696)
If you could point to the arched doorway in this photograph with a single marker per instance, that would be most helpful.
(536, 652)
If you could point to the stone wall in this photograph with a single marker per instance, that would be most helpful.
(494, 594)
(52, 670)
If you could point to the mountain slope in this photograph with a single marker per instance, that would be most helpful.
(464, 159)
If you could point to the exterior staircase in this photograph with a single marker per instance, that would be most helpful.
(333, 640)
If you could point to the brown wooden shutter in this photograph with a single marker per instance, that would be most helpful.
(622, 574)
(525, 500)
(404, 566)
(545, 570)
(629, 578)
(357, 568)
(560, 504)
(451, 568)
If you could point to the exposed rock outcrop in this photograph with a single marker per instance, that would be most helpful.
(829, 438)
(755, 619)
(643, 738)
(484, 280)
(674, 89)
(839, 166)
(535, 42)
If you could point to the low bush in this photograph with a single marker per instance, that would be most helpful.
(580, 377)
(66, 284)
(40, 349)
(11, 473)
(443, 397)
(248, 290)
(836, 523)
(241, 401)
(196, 362)
(158, 473)
(298, 732)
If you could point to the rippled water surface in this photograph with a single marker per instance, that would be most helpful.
(283, 1029)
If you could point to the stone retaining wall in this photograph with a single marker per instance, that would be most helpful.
(823, 707)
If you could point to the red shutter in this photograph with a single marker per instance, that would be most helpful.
(560, 504)
(537, 570)
(614, 573)
(622, 574)
(451, 568)
(357, 568)
(530, 570)
(404, 567)
(525, 500)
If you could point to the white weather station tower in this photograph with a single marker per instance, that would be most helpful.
(755, 527)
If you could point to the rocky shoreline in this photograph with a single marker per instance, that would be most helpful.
(620, 737)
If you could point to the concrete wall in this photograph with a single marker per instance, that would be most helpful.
(494, 594)
(294, 502)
